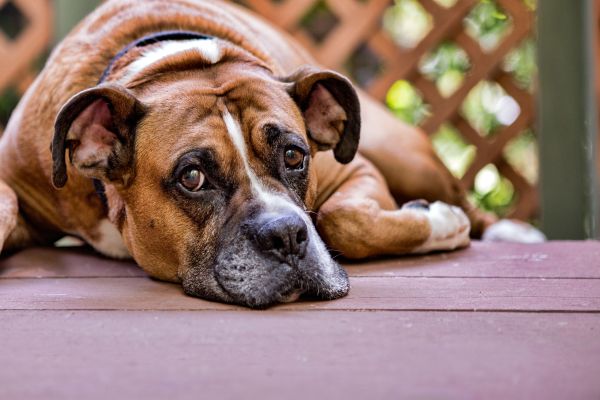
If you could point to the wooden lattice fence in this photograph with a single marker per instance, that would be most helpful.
(353, 29)
(24, 39)
(357, 27)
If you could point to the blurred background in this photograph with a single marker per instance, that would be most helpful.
(465, 71)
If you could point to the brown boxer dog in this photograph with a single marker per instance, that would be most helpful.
(209, 146)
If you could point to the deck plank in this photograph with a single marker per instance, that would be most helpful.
(564, 259)
(48, 262)
(366, 294)
(505, 260)
(295, 355)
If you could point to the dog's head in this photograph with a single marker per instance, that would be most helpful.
(208, 171)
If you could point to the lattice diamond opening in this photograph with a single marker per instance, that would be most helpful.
(521, 153)
(12, 20)
(446, 3)
(520, 64)
(446, 66)
(494, 192)
(364, 65)
(407, 103)
(456, 153)
(488, 24)
(319, 21)
(407, 23)
(488, 107)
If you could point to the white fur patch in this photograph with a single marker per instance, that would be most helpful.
(513, 231)
(449, 228)
(110, 242)
(207, 48)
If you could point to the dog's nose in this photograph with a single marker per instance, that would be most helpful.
(283, 236)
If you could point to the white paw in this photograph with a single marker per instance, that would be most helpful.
(449, 228)
(512, 231)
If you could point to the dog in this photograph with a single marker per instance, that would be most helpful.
(211, 148)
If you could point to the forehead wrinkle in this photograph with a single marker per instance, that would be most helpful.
(174, 131)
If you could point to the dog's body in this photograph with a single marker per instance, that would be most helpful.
(186, 137)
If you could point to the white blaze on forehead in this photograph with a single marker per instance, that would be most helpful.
(207, 48)
(237, 137)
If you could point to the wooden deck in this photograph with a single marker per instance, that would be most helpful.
(493, 321)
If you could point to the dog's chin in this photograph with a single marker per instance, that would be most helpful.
(242, 275)
(255, 282)
(263, 283)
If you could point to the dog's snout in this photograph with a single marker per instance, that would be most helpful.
(285, 235)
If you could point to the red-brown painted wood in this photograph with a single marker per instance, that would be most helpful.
(546, 260)
(366, 294)
(298, 355)
(483, 259)
(64, 263)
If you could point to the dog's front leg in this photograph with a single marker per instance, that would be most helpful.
(361, 219)
(9, 211)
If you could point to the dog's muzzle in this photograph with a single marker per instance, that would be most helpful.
(273, 258)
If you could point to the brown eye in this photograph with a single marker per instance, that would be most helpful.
(293, 158)
(192, 179)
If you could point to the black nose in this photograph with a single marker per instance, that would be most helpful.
(283, 236)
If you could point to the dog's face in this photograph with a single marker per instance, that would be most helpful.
(209, 175)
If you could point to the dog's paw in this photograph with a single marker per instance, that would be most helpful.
(449, 227)
(507, 230)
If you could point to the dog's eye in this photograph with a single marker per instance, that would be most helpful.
(192, 179)
(293, 158)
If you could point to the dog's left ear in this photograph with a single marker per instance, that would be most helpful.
(97, 126)
(330, 108)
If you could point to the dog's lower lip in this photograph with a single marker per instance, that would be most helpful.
(290, 298)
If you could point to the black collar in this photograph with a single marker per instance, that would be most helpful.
(149, 39)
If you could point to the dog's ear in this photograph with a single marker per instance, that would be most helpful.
(97, 127)
(330, 108)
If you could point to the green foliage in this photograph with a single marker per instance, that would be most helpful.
(446, 3)
(406, 103)
(492, 191)
(521, 153)
(407, 22)
(520, 63)
(453, 150)
(487, 23)
(486, 108)
(446, 66)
